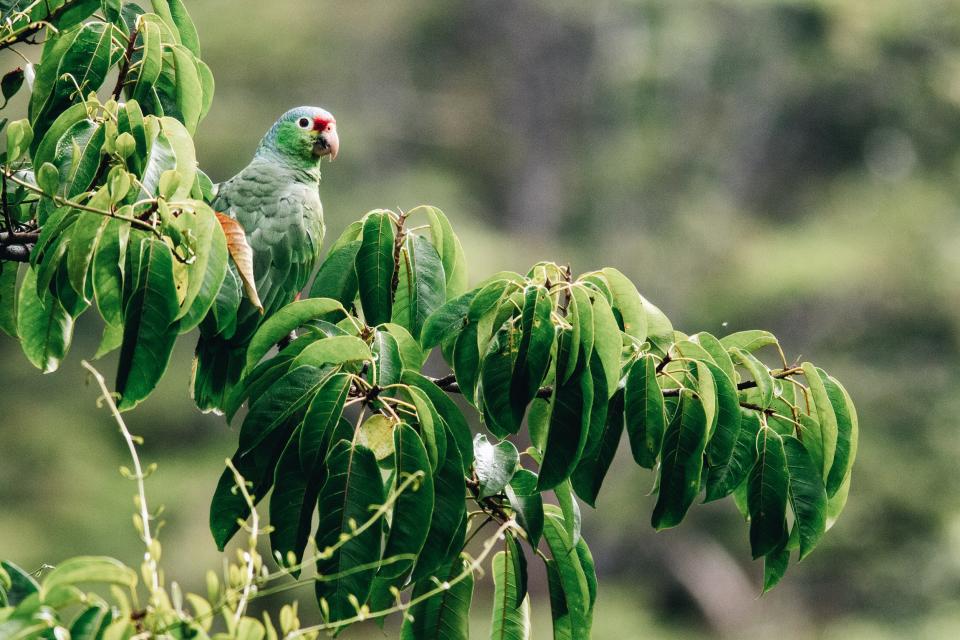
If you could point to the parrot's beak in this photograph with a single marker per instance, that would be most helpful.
(328, 143)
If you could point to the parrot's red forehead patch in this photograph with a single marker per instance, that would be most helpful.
(320, 123)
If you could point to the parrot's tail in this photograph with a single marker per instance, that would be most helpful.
(217, 366)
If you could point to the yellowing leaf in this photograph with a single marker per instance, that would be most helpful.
(242, 256)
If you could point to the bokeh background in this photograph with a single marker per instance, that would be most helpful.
(784, 165)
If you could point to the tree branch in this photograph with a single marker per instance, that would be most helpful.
(36, 26)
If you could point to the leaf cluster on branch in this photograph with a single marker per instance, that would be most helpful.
(104, 208)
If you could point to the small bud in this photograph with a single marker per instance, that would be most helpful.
(169, 181)
(48, 178)
(125, 145)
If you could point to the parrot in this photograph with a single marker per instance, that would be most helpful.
(276, 199)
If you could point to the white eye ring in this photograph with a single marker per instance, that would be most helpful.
(304, 123)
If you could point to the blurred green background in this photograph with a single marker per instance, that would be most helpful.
(785, 165)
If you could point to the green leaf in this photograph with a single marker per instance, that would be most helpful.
(591, 471)
(375, 267)
(759, 372)
(321, 418)
(726, 475)
(10, 84)
(281, 323)
(22, 584)
(727, 417)
(421, 288)
(44, 326)
(411, 354)
(767, 494)
(607, 341)
(495, 464)
(148, 332)
(527, 504)
(184, 25)
(569, 419)
(337, 277)
(681, 461)
(451, 252)
(511, 611)
(292, 504)
(559, 612)
(808, 498)
(496, 376)
(466, 362)
(646, 417)
(774, 566)
(533, 355)
(448, 410)
(430, 427)
(347, 500)
(8, 298)
(448, 510)
(446, 614)
(837, 502)
(847, 433)
(629, 303)
(179, 86)
(569, 509)
(573, 581)
(829, 428)
(91, 624)
(282, 402)
(386, 357)
(717, 352)
(580, 316)
(334, 350)
(414, 507)
(84, 569)
(107, 271)
(85, 237)
(446, 321)
(748, 341)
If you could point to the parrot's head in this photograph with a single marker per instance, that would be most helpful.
(304, 135)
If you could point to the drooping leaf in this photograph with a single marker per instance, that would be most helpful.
(590, 473)
(413, 509)
(283, 400)
(759, 372)
(242, 255)
(527, 504)
(451, 253)
(321, 417)
(847, 433)
(572, 578)
(375, 267)
(446, 321)
(748, 341)
(727, 419)
(448, 510)
(421, 288)
(149, 331)
(681, 461)
(774, 566)
(808, 498)
(533, 355)
(629, 303)
(446, 614)
(510, 619)
(607, 341)
(334, 350)
(292, 503)
(569, 510)
(645, 413)
(767, 489)
(347, 500)
(725, 475)
(569, 419)
(496, 376)
(448, 410)
(8, 297)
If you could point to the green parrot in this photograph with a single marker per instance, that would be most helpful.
(276, 199)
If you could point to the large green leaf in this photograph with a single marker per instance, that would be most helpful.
(767, 488)
(446, 614)
(347, 500)
(107, 271)
(448, 510)
(580, 317)
(723, 476)
(607, 341)
(495, 464)
(334, 350)
(847, 433)
(569, 419)
(646, 418)
(510, 619)
(496, 381)
(321, 417)
(759, 372)
(375, 267)
(446, 321)
(421, 288)
(337, 278)
(681, 461)
(808, 498)
(451, 252)
(44, 326)
(629, 303)
(282, 403)
(466, 362)
(727, 418)
(281, 323)
(148, 331)
(292, 503)
(826, 416)
(591, 471)
(413, 509)
(449, 411)
(430, 427)
(84, 569)
(748, 341)
(572, 578)
(533, 355)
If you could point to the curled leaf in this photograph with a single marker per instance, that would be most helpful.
(242, 256)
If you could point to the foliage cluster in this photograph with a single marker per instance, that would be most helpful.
(105, 207)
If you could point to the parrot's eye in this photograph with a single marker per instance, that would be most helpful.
(304, 123)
